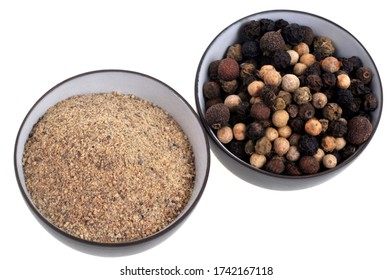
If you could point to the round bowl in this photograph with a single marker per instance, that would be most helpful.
(346, 45)
(144, 87)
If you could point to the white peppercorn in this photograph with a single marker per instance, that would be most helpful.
(299, 68)
(328, 143)
(255, 87)
(280, 118)
(290, 82)
(329, 161)
(263, 146)
(232, 101)
(294, 56)
(319, 154)
(302, 48)
(257, 160)
(343, 81)
(319, 100)
(340, 143)
(307, 59)
(239, 131)
(281, 146)
(285, 131)
(225, 134)
(271, 133)
(293, 153)
(272, 78)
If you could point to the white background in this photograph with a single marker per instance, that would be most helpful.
(340, 229)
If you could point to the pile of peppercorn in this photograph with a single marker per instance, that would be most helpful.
(281, 100)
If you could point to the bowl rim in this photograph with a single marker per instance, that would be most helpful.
(222, 147)
(179, 219)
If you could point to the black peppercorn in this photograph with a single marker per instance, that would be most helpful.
(329, 79)
(364, 74)
(280, 23)
(248, 73)
(347, 64)
(314, 82)
(266, 25)
(306, 111)
(250, 30)
(293, 34)
(211, 90)
(281, 59)
(370, 102)
(309, 165)
(238, 149)
(254, 130)
(260, 111)
(293, 169)
(359, 88)
(271, 42)
(308, 145)
(292, 109)
(337, 128)
(344, 97)
(308, 35)
(323, 47)
(348, 151)
(217, 115)
(297, 125)
(250, 49)
(275, 165)
(356, 62)
(213, 70)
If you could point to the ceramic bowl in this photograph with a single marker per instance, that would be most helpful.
(127, 82)
(346, 45)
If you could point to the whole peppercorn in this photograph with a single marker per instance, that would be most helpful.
(260, 111)
(319, 100)
(225, 134)
(314, 69)
(330, 64)
(294, 57)
(324, 124)
(293, 34)
(309, 35)
(307, 59)
(238, 149)
(364, 74)
(332, 111)
(229, 86)
(235, 52)
(308, 145)
(344, 97)
(213, 70)
(302, 95)
(275, 165)
(330, 161)
(359, 88)
(347, 64)
(243, 110)
(254, 130)
(247, 73)
(285, 131)
(359, 129)
(281, 146)
(281, 59)
(280, 118)
(329, 79)
(217, 115)
(297, 125)
(340, 143)
(272, 78)
(263, 146)
(232, 101)
(309, 165)
(228, 69)
(348, 150)
(343, 81)
(257, 160)
(210, 102)
(292, 109)
(306, 111)
(294, 139)
(299, 68)
(211, 90)
(255, 87)
(323, 47)
(319, 155)
(370, 102)
(249, 147)
(337, 128)
(314, 82)
(265, 69)
(279, 104)
(250, 30)
(271, 133)
(266, 25)
(290, 82)
(293, 154)
(313, 127)
(239, 131)
(286, 96)
(302, 48)
(328, 143)
(292, 169)
(250, 49)
(271, 42)
(280, 24)
(356, 62)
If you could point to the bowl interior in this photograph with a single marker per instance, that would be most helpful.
(346, 46)
(126, 82)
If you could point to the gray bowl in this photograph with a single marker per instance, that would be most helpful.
(346, 46)
(139, 85)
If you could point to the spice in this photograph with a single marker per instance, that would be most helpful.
(359, 129)
(309, 165)
(313, 127)
(232, 101)
(271, 42)
(323, 47)
(225, 134)
(257, 160)
(108, 168)
(330, 64)
(228, 69)
(364, 74)
(290, 82)
(330, 161)
(275, 165)
(239, 131)
(280, 118)
(281, 146)
(217, 115)
(211, 90)
(259, 111)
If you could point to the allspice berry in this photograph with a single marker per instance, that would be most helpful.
(309, 165)
(259, 111)
(271, 42)
(359, 129)
(217, 115)
(228, 69)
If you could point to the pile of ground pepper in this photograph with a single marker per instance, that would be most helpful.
(108, 167)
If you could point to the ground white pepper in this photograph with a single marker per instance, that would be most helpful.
(109, 167)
